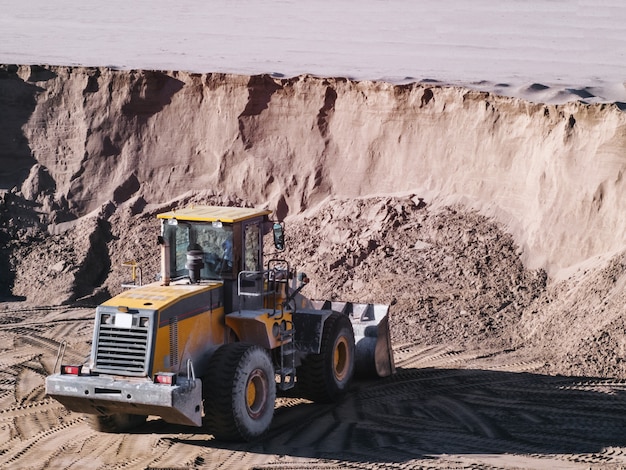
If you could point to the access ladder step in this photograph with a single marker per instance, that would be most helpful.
(287, 378)
(287, 369)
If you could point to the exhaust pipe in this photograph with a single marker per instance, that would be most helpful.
(165, 261)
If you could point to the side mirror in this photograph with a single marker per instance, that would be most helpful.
(279, 236)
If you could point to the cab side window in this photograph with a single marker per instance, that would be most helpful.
(252, 252)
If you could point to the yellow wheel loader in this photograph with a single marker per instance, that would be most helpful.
(210, 343)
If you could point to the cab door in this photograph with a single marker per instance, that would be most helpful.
(253, 242)
(251, 280)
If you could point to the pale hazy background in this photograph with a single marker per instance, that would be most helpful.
(504, 46)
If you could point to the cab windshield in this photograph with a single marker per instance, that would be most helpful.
(212, 240)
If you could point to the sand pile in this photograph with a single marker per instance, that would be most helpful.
(454, 204)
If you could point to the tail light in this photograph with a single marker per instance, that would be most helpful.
(70, 370)
(165, 378)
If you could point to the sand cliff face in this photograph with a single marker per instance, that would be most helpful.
(78, 137)
(395, 194)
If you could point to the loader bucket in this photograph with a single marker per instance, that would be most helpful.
(370, 322)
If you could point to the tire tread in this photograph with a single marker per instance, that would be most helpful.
(314, 376)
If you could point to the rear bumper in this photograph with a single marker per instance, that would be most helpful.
(177, 404)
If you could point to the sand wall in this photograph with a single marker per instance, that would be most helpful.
(75, 138)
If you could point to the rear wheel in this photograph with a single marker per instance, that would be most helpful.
(239, 392)
(118, 422)
(325, 377)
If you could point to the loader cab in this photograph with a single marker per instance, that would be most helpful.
(211, 243)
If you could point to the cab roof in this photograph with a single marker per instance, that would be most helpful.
(214, 214)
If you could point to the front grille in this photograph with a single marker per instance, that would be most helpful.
(122, 350)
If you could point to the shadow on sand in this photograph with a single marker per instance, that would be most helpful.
(422, 413)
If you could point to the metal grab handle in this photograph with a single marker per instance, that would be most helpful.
(191, 374)
(59, 359)
(254, 293)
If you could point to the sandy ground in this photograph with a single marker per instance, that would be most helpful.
(473, 388)
(489, 214)
(445, 408)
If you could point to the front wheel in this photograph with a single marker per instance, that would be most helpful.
(325, 377)
(239, 392)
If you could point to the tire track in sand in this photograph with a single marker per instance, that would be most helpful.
(445, 407)
(451, 410)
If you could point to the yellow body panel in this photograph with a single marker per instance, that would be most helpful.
(156, 296)
(197, 337)
(189, 325)
(260, 327)
(214, 214)
(161, 361)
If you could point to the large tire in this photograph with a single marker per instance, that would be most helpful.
(325, 377)
(118, 422)
(239, 392)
